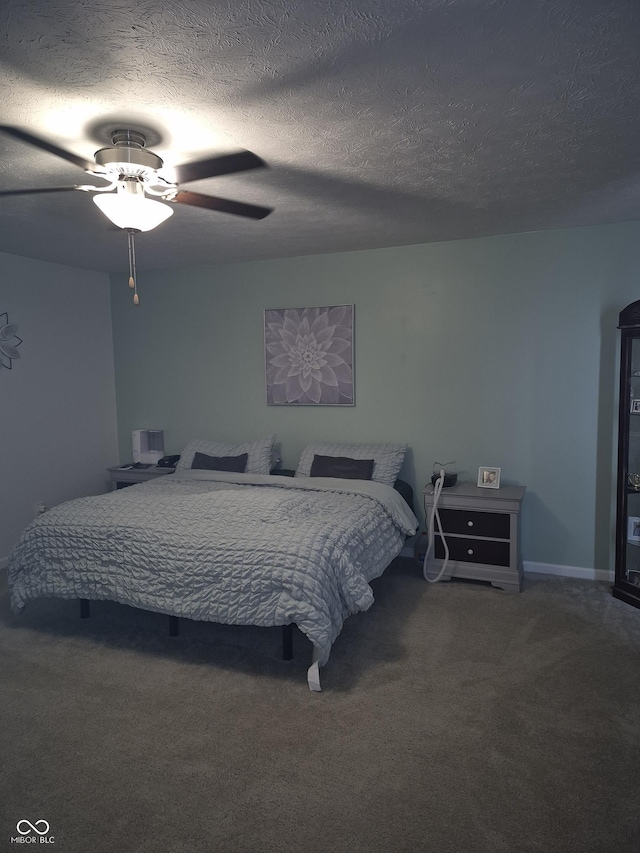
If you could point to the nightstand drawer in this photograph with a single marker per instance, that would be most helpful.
(470, 523)
(473, 550)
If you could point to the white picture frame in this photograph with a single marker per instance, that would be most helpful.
(488, 478)
(633, 529)
(635, 407)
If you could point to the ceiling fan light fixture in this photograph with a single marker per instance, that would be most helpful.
(133, 171)
(132, 210)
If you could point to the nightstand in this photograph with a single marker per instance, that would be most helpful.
(123, 477)
(481, 529)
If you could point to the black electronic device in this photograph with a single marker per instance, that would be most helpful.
(168, 461)
(449, 480)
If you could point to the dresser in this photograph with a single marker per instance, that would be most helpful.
(481, 529)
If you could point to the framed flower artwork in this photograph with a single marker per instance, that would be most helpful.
(309, 356)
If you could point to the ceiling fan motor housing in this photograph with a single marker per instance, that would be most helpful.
(129, 138)
(128, 156)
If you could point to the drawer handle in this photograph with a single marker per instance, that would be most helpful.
(470, 551)
(470, 523)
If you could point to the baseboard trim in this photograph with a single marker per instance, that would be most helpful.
(568, 571)
(552, 569)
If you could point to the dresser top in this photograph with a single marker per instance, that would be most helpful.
(468, 493)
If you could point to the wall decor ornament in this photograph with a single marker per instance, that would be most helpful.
(9, 341)
(309, 356)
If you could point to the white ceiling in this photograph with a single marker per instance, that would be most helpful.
(384, 122)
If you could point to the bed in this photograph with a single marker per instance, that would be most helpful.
(223, 546)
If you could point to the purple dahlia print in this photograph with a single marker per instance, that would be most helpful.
(309, 356)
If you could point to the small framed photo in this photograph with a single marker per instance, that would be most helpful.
(635, 407)
(488, 478)
(633, 529)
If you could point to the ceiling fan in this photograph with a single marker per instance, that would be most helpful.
(135, 195)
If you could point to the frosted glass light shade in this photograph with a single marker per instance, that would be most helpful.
(127, 210)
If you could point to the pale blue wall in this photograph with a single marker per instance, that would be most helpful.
(496, 351)
(57, 403)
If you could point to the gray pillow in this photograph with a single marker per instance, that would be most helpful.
(258, 453)
(387, 458)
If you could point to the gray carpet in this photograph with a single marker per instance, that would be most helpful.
(452, 718)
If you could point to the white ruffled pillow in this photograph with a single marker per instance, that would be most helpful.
(387, 458)
(258, 453)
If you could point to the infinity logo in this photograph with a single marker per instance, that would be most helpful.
(32, 827)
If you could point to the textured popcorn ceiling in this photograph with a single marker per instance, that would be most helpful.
(384, 122)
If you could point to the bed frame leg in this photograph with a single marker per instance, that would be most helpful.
(287, 642)
(85, 608)
(174, 626)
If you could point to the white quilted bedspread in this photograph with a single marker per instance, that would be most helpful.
(233, 548)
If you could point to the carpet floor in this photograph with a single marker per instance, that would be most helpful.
(453, 718)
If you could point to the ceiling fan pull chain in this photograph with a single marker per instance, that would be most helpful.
(132, 268)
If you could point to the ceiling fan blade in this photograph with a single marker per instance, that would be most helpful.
(42, 190)
(225, 164)
(86, 165)
(223, 205)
